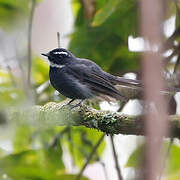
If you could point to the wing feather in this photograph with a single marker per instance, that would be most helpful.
(98, 83)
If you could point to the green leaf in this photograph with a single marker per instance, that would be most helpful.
(173, 168)
(103, 13)
(33, 164)
(101, 3)
(136, 157)
(173, 160)
(22, 139)
(76, 5)
(53, 159)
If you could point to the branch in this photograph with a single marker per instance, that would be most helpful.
(52, 114)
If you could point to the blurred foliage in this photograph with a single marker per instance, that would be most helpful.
(104, 37)
(172, 163)
(10, 94)
(38, 152)
(80, 142)
(33, 164)
(14, 13)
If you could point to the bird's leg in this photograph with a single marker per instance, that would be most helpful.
(78, 104)
(123, 103)
(69, 103)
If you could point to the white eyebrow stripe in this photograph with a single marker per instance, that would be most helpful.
(56, 65)
(61, 53)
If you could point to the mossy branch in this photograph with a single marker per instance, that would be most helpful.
(53, 114)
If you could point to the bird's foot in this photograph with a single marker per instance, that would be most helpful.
(76, 105)
(70, 105)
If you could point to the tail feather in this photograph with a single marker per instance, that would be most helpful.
(123, 81)
(136, 83)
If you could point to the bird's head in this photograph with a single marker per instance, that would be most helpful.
(59, 56)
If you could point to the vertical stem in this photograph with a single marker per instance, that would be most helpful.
(116, 159)
(11, 76)
(58, 39)
(104, 169)
(90, 157)
(33, 5)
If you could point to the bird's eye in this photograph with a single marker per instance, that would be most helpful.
(63, 53)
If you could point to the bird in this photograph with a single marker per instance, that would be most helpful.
(79, 78)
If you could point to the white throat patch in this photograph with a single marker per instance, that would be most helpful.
(56, 65)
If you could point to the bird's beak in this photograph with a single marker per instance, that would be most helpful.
(47, 55)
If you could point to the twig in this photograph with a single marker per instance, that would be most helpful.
(33, 5)
(176, 64)
(166, 157)
(104, 169)
(90, 157)
(174, 53)
(58, 39)
(42, 87)
(169, 42)
(11, 75)
(116, 159)
(23, 74)
(123, 103)
(56, 138)
(71, 145)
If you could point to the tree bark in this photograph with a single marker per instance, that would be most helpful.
(53, 114)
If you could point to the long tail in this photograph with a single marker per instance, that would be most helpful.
(123, 81)
(135, 83)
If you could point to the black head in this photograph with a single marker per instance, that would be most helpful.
(59, 56)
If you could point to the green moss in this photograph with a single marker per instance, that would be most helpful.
(109, 118)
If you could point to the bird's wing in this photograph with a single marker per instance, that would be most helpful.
(112, 79)
(93, 77)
